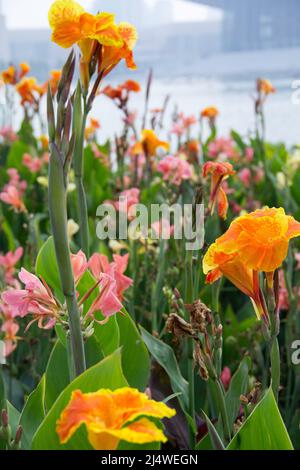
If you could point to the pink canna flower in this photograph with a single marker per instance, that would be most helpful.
(99, 264)
(10, 329)
(33, 164)
(245, 177)
(79, 265)
(162, 229)
(8, 262)
(8, 134)
(175, 169)
(15, 180)
(36, 299)
(107, 301)
(226, 377)
(222, 149)
(12, 196)
(128, 199)
(249, 154)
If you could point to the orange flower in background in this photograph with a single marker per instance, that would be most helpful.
(219, 171)
(149, 144)
(9, 75)
(26, 88)
(111, 416)
(211, 113)
(131, 85)
(55, 76)
(261, 238)
(91, 130)
(265, 87)
(25, 69)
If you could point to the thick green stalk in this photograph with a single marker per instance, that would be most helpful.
(80, 117)
(58, 216)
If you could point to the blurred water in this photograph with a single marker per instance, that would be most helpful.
(233, 99)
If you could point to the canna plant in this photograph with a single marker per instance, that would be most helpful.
(105, 339)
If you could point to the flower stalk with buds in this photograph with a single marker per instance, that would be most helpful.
(61, 150)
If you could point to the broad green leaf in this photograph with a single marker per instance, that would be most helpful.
(205, 443)
(107, 374)
(57, 374)
(108, 336)
(264, 428)
(165, 356)
(46, 266)
(135, 357)
(215, 439)
(33, 414)
(238, 386)
(13, 417)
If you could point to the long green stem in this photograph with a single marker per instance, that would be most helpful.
(80, 118)
(58, 216)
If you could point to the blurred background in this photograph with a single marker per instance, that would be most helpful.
(202, 52)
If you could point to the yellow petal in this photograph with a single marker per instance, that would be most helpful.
(63, 11)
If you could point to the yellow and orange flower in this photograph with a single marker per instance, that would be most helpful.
(111, 416)
(91, 130)
(71, 24)
(55, 76)
(255, 242)
(25, 69)
(261, 238)
(219, 171)
(26, 88)
(265, 87)
(9, 75)
(210, 112)
(149, 144)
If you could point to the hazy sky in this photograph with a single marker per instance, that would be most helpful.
(33, 13)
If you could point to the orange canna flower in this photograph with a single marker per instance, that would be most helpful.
(44, 142)
(9, 75)
(256, 242)
(25, 69)
(261, 238)
(211, 112)
(113, 93)
(111, 416)
(112, 55)
(219, 171)
(149, 144)
(265, 87)
(71, 24)
(90, 131)
(26, 88)
(131, 85)
(218, 263)
(55, 76)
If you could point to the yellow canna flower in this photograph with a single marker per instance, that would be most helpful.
(9, 75)
(261, 238)
(71, 24)
(25, 69)
(149, 143)
(111, 416)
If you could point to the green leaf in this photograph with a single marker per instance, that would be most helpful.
(33, 414)
(13, 417)
(15, 159)
(238, 386)
(165, 356)
(215, 439)
(46, 266)
(264, 429)
(107, 374)
(57, 374)
(135, 357)
(108, 336)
